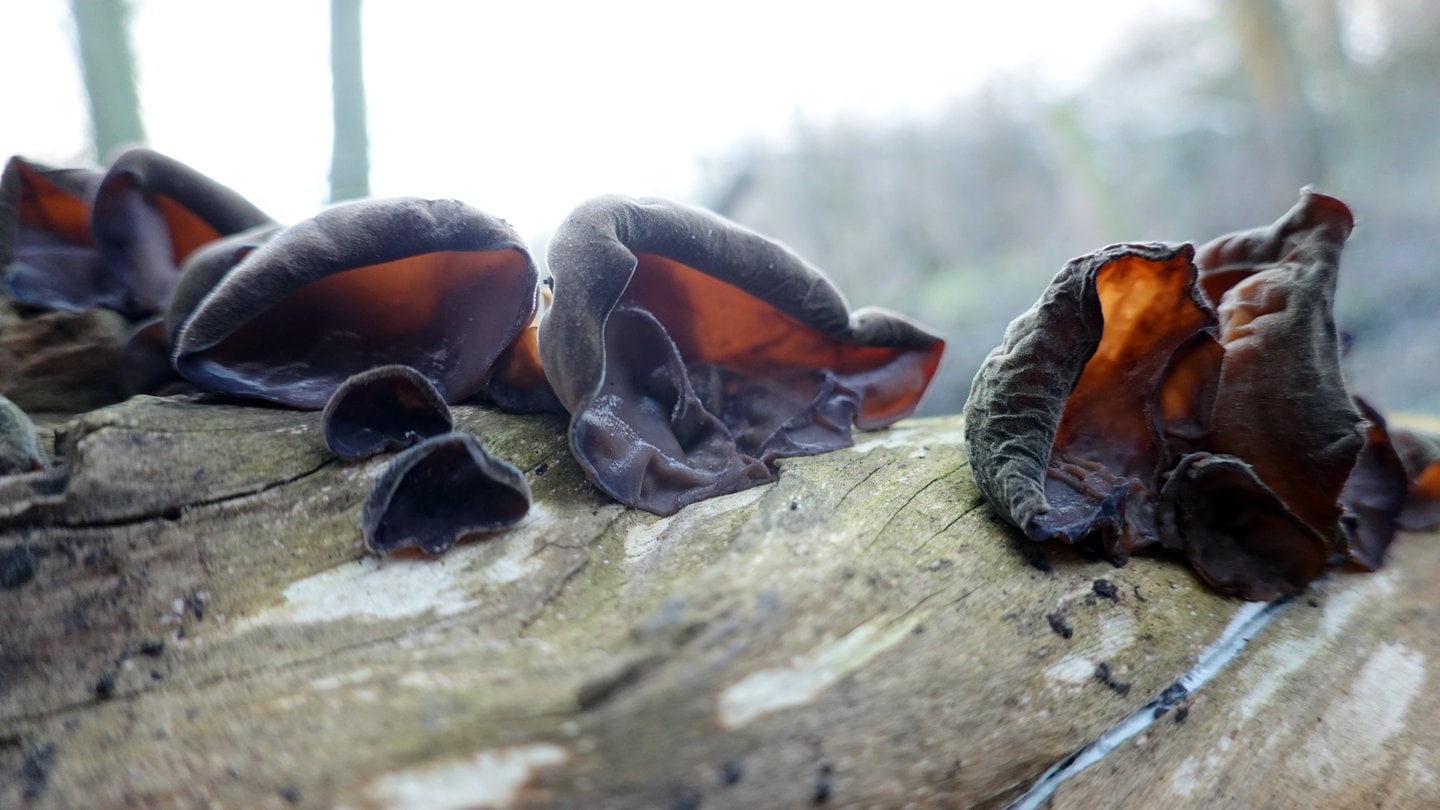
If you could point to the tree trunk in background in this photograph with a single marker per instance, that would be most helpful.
(1289, 123)
(350, 161)
(102, 31)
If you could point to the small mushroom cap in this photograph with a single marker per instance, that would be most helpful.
(19, 444)
(383, 409)
(692, 352)
(432, 284)
(439, 491)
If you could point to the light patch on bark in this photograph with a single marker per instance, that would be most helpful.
(771, 690)
(1351, 733)
(491, 780)
(1116, 633)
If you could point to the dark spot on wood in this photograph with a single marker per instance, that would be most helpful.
(35, 772)
(152, 647)
(794, 504)
(1135, 589)
(606, 685)
(1315, 603)
(1181, 714)
(105, 686)
(17, 567)
(821, 793)
(1106, 589)
(543, 468)
(847, 573)
(157, 675)
(1057, 623)
(1039, 562)
(290, 793)
(732, 772)
(919, 628)
(1103, 675)
(197, 606)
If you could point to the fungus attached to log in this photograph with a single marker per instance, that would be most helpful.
(382, 409)
(692, 353)
(116, 239)
(1064, 421)
(1144, 399)
(432, 284)
(439, 491)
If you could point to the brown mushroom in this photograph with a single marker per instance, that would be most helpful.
(432, 284)
(693, 353)
(439, 491)
(1374, 494)
(1282, 404)
(385, 408)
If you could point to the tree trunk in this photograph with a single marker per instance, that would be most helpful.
(191, 619)
(350, 158)
(102, 30)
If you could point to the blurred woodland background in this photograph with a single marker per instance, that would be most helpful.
(959, 218)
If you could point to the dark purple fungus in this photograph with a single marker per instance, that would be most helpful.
(383, 409)
(19, 445)
(48, 256)
(116, 239)
(517, 383)
(432, 284)
(204, 269)
(439, 491)
(693, 353)
(1066, 423)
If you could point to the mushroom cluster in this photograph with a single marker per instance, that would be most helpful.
(691, 353)
(1160, 395)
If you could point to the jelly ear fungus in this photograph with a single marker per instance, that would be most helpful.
(83, 238)
(692, 353)
(439, 491)
(432, 284)
(1146, 399)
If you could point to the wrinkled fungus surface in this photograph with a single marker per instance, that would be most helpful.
(432, 284)
(439, 491)
(385, 408)
(693, 353)
(1146, 399)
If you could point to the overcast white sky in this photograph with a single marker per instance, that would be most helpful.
(524, 109)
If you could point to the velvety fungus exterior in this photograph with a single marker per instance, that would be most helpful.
(432, 284)
(692, 353)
